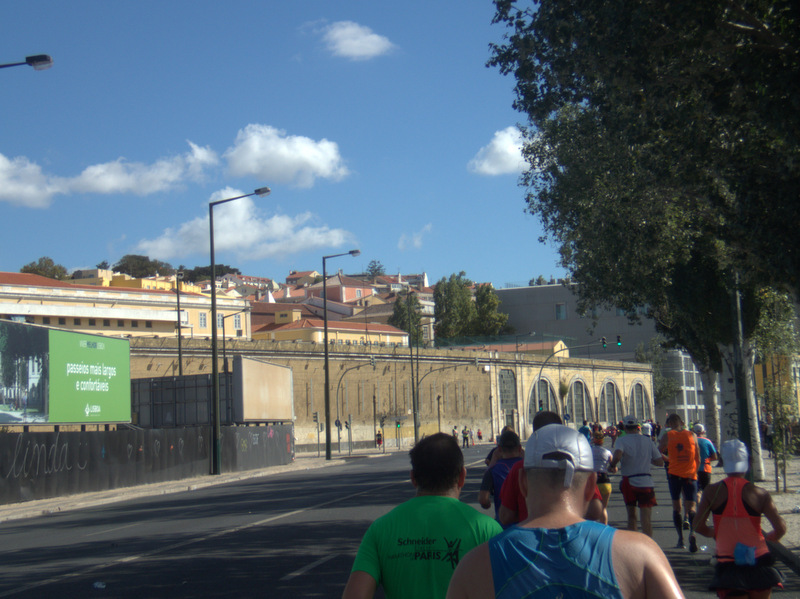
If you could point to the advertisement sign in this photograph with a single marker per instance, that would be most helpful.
(53, 376)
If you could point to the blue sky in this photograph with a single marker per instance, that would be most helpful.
(376, 124)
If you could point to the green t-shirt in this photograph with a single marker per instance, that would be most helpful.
(413, 550)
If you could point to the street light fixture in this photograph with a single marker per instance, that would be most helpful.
(178, 279)
(353, 253)
(216, 461)
(39, 62)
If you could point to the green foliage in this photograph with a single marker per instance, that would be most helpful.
(46, 267)
(487, 320)
(140, 267)
(454, 309)
(458, 315)
(375, 269)
(665, 389)
(687, 110)
(406, 316)
(203, 273)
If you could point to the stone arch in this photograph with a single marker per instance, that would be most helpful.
(640, 401)
(579, 402)
(545, 391)
(610, 402)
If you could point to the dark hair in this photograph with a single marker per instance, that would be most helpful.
(509, 440)
(437, 462)
(544, 418)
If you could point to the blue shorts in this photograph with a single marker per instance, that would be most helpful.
(685, 486)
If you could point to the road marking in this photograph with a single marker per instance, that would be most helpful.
(187, 543)
(308, 567)
(105, 530)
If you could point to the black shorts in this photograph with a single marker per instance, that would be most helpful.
(703, 480)
(764, 575)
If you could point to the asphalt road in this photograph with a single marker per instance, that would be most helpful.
(289, 534)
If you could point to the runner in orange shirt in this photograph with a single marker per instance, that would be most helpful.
(680, 447)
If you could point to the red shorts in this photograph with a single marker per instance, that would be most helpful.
(641, 496)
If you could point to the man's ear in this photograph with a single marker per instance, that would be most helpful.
(462, 478)
(413, 480)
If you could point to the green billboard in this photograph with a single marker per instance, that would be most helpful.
(60, 377)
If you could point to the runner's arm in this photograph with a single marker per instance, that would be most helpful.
(360, 585)
(778, 523)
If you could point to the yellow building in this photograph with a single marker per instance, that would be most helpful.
(130, 311)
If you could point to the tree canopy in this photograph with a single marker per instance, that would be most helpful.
(375, 269)
(457, 314)
(140, 267)
(666, 123)
(406, 316)
(46, 267)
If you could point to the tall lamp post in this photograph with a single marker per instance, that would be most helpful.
(178, 279)
(216, 438)
(39, 62)
(353, 253)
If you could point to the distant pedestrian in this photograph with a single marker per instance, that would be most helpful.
(707, 453)
(744, 564)
(464, 438)
(602, 458)
(509, 450)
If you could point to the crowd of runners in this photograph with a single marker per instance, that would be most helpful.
(549, 537)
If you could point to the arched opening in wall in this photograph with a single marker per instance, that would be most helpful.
(508, 395)
(640, 402)
(543, 398)
(611, 398)
(578, 404)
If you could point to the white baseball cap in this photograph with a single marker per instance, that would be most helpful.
(699, 429)
(734, 457)
(573, 451)
(630, 421)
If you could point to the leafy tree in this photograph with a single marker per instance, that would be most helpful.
(693, 107)
(203, 273)
(487, 320)
(140, 267)
(654, 353)
(375, 269)
(776, 342)
(453, 306)
(104, 265)
(406, 316)
(654, 142)
(46, 267)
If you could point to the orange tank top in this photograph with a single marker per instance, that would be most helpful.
(735, 525)
(682, 450)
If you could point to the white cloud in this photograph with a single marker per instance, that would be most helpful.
(502, 156)
(240, 227)
(269, 154)
(22, 182)
(121, 176)
(414, 240)
(354, 41)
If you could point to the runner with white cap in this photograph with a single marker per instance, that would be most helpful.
(555, 551)
(744, 564)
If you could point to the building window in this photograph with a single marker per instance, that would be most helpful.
(45, 320)
(106, 322)
(220, 321)
(76, 322)
(148, 324)
(120, 323)
(358, 293)
(135, 324)
(237, 321)
(202, 318)
(561, 311)
(92, 322)
(62, 321)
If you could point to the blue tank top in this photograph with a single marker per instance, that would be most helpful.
(499, 474)
(572, 562)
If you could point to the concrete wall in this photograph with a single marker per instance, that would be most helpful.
(456, 387)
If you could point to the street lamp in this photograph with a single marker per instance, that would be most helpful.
(353, 253)
(39, 62)
(216, 461)
(178, 279)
